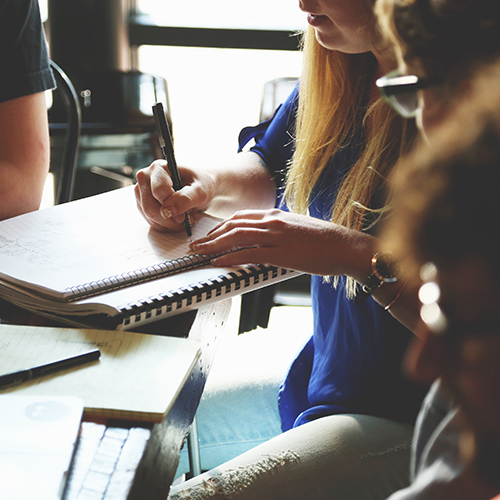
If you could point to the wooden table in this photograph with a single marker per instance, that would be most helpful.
(149, 460)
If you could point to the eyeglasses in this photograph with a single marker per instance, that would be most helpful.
(401, 91)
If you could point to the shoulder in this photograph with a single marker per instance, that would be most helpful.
(15, 17)
(23, 50)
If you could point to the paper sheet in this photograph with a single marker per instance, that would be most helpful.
(137, 377)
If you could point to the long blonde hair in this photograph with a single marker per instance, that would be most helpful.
(334, 88)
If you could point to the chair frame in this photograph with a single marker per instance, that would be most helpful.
(64, 191)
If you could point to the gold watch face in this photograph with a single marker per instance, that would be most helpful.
(386, 267)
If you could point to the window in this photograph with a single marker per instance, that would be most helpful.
(216, 92)
(213, 92)
(257, 14)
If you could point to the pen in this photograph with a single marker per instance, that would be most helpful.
(167, 147)
(54, 366)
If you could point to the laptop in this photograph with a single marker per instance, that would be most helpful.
(38, 436)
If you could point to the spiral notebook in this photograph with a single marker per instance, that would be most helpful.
(96, 262)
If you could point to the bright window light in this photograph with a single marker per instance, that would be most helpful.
(257, 14)
(214, 93)
(43, 9)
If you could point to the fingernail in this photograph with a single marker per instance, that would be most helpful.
(194, 247)
(166, 213)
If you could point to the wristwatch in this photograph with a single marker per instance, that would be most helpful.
(385, 269)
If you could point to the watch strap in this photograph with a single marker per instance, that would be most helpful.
(367, 289)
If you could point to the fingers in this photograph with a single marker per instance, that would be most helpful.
(146, 204)
(239, 218)
(176, 205)
(240, 221)
(160, 205)
(159, 180)
(239, 237)
(149, 207)
(276, 238)
(151, 217)
(244, 256)
(244, 229)
(152, 188)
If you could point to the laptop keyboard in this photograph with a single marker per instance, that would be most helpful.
(105, 462)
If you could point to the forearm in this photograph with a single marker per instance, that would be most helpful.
(305, 244)
(20, 188)
(401, 300)
(245, 183)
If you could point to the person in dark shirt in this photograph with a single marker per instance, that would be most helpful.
(24, 137)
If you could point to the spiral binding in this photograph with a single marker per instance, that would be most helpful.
(137, 276)
(183, 297)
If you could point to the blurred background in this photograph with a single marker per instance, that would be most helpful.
(215, 58)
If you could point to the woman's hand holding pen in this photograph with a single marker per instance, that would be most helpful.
(289, 240)
(162, 206)
(222, 188)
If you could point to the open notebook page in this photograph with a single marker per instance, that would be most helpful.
(137, 377)
(85, 241)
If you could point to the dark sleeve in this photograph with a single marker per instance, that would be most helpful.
(23, 50)
(274, 138)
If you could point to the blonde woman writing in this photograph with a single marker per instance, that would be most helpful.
(346, 409)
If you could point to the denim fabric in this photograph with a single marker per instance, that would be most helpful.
(239, 407)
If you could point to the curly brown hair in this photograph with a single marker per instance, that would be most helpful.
(446, 205)
(448, 39)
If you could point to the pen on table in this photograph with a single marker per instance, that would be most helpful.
(55, 366)
(167, 147)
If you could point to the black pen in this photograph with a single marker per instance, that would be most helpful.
(55, 366)
(167, 147)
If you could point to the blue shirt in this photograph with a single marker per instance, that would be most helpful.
(353, 361)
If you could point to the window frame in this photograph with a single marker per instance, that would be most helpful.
(144, 32)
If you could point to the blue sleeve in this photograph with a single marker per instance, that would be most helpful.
(23, 50)
(274, 138)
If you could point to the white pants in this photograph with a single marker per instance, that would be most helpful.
(342, 457)
(337, 457)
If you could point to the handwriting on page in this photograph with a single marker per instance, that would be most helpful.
(91, 239)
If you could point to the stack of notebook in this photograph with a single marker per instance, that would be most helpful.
(96, 263)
